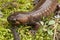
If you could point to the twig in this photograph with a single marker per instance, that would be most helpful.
(15, 34)
(55, 31)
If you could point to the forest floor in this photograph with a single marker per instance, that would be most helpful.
(49, 29)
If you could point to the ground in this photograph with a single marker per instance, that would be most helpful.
(49, 29)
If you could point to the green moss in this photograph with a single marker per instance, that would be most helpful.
(45, 31)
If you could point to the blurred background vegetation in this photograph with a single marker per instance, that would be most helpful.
(47, 30)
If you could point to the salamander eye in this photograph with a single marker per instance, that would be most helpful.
(14, 19)
(11, 19)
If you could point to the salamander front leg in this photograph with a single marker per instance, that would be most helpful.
(35, 27)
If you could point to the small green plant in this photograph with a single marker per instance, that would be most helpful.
(45, 32)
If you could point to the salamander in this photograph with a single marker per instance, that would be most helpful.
(28, 18)
(42, 9)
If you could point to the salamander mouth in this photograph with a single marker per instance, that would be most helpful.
(14, 22)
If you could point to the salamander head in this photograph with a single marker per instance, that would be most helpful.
(16, 19)
(12, 19)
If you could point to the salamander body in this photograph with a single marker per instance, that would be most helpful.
(42, 9)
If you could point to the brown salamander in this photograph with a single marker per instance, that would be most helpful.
(47, 7)
(43, 9)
